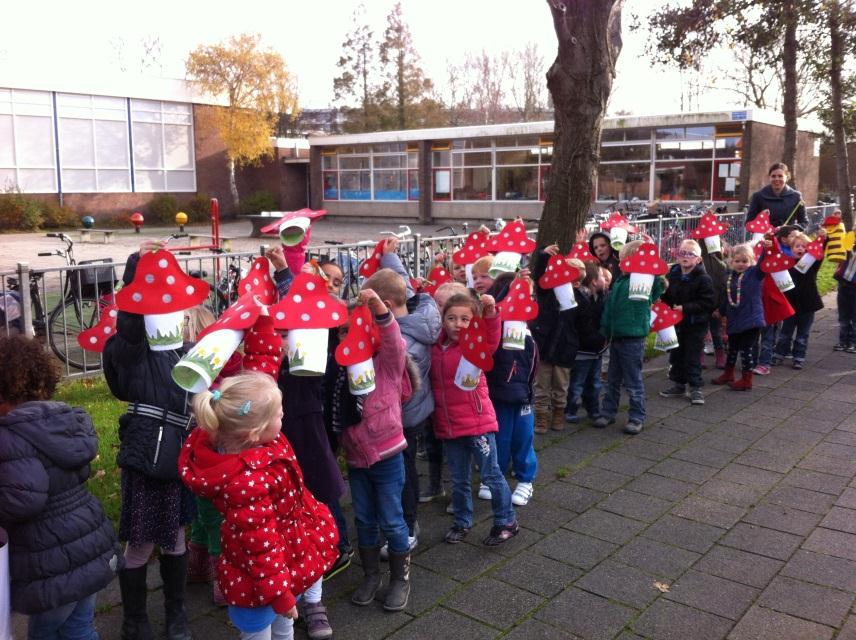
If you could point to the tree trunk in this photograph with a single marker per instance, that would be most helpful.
(580, 81)
(790, 93)
(233, 186)
(402, 91)
(836, 53)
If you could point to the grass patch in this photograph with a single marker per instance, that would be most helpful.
(94, 396)
(825, 281)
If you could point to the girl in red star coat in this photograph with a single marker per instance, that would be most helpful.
(277, 539)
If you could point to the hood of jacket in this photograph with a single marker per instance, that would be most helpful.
(422, 324)
(62, 433)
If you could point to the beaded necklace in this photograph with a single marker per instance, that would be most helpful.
(731, 301)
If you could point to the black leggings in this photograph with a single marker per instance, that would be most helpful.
(746, 344)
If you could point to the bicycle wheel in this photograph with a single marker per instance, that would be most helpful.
(67, 321)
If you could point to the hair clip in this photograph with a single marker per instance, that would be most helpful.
(215, 395)
(245, 408)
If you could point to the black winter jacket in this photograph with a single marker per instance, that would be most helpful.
(694, 292)
(62, 546)
(589, 311)
(804, 297)
(135, 373)
(781, 206)
(554, 331)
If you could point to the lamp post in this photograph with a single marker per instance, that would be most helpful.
(181, 220)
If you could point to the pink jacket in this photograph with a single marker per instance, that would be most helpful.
(459, 413)
(380, 434)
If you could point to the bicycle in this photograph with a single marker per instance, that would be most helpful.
(85, 295)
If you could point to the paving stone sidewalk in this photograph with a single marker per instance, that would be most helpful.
(733, 520)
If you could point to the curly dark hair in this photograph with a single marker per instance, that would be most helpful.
(28, 371)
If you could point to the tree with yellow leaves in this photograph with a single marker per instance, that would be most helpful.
(258, 86)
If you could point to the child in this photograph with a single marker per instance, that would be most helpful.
(626, 323)
(373, 439)
(744, 312)
(846, 295)
(482, 281)
(691, 291)
(717, 269)
(555, 335)
(63, 548)
(805, 300)
(585, 381)
(511, 387)
(277, 539)
(466, 422)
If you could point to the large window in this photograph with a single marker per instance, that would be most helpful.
(623, 181)
(163, 146)
(27, 158)
(683, 180)
(355, 177)
(517, 173)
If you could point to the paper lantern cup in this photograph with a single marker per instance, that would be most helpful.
(307, 352)
(514, 335)
(640, 286)
(200, 367)
(783, 280)
(361, 377)
(165, 331)
(756, 238)
(713, 244)
(617, 237)
(565, 295)
(666, 339)
(292, 232)
(468, 269)
(467, 376)
(504, 262)
(805, 263)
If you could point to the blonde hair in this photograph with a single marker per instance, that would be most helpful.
(580, 266)
(743, 250)
(799, 235)
(388, 285)
(483, 264)
(447, 290)
(696, 247)
(239, 411)
(629, 249)
(197, 319)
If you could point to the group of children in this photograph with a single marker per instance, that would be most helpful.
(262, 462)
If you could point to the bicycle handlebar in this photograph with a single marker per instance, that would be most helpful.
(45, 253)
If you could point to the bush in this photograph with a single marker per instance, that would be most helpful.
(57, 217)
(18, 212)
(198, 209)
(258, 202)
(162, 208)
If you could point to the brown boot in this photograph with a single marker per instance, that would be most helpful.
(542, 422)
(726, 377)
(558, 421)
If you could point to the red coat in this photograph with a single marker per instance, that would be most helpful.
(459, 413)
(776, 304)
(277, 539)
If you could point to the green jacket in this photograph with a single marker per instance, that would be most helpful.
(626, 318)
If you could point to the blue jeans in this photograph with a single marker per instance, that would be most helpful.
(585, 387)
(515, 440)
(801, 324)
(72, 621)
(376, 496)
(460, 452)
(769, 335)
(625, 367)
(341, 524)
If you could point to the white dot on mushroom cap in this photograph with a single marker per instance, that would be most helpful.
(510, 308)
(166, 298)
(280, 315)
(93, 340)
(170, 279)
(472, 345)
(361, 345)
(478, 338)
(162, 263)
(137, 297)
(113, 313)
(321, 304)
(108, 329)
(256, 281)
(266, 278)
(335, 315)
(189, 289)
(248, 287)
(149, 278)
(359, 321)
(310, 286)
(346, 350)
(245, 315)
(642, 263)
(304, 317)
(528, 309)
(297, 298)
(481, 355)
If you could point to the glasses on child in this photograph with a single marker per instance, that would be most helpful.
(686, 254)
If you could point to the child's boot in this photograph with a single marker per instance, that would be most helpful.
(745, 382)
(317, 625)
(720, 358)
(173, 570)
(216, 593)
(542, 422)
(558, 421)
(727, 376)
(199, 568)
(135, 620)
(399, 582)
(365, 593)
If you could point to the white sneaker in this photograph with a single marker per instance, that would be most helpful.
(522, 493)
(384, 550)
(484, 492)
(450, 509)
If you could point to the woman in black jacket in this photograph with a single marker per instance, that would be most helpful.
(785, 204)
(155, 510)
(63, 547)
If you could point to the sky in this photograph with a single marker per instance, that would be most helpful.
(84, 37)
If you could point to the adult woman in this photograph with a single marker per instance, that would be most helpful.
(601, 247)
(785, 204)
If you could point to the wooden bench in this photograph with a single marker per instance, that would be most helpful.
(107, 235)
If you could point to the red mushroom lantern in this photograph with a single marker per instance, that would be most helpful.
(643, 266)
(356, 351)
(777, 264)
(581, 251)
(294, 226)
(475, 355)
(560, 276)
(760, 226)
(516, 309)
(509, 245)
(618, 228)
(710, 229)
(663, 322)
(95, 338)
(137, 220)
(439, 275)
(371, 264)
(813, 252)
(474, 248)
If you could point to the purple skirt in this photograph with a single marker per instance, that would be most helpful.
(153, 510)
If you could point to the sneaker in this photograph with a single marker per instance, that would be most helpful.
(761, 370)
(675, 391)
(456, 534)
(342, 563)
(522, 493)
(851, 348)
(696, 396)
(501, 533)
(450, 509)
(571, 418)
(412, 541)
(601, 422)
(484, 492)
(633, 428)
(776, 360)
(798, 364)
(431, 493)
(840, 347)
(317, 625)
(708, 348)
